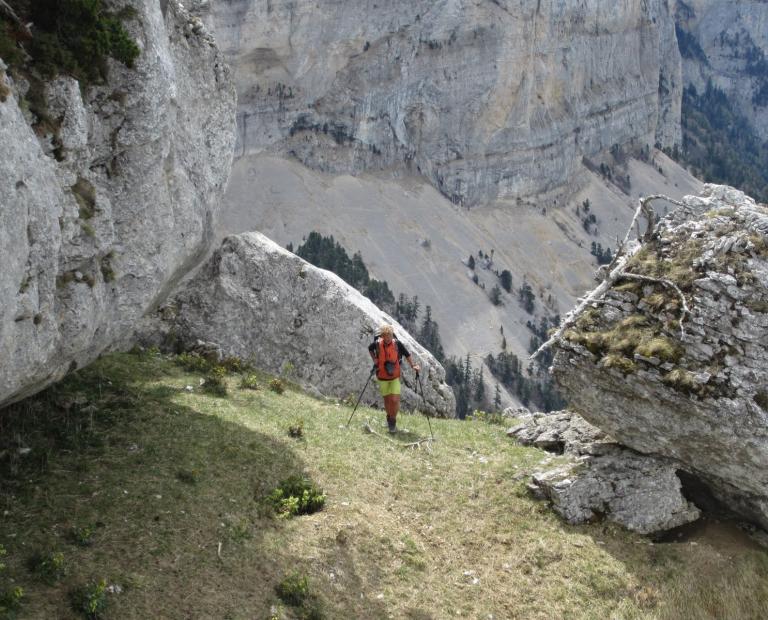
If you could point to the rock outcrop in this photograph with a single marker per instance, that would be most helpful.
(100, 218)
(498, 99)
(260, 302)
(604, 479)
(701, 399)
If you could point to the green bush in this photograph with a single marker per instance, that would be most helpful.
(193, 362)
(10, 602)
(49, 566)
(90, 599)
(296, 429)
(72, 36)
(214, 382)
(277, 386)
(294, 590)
(296, 495)
(249, 382)
(81, 535)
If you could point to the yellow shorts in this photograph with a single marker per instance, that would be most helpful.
(388, 388)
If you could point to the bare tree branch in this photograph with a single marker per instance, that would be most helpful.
(616, 270)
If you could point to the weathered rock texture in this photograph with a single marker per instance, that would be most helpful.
(491, 99)
(93, 237)
(728, 43)
(702, 400)
(259, 302)
(604, 479)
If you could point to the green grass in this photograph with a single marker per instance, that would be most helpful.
(169, 488)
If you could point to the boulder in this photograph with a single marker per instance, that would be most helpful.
(260, 302)
(604, 479)
(700, 398)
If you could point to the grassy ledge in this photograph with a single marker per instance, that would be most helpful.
(127, 491)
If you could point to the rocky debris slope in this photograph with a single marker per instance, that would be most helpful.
(701, 399)
(603, 479)
(259, 302)
(492, 99)
(102, 215)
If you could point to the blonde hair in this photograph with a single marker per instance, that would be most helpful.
(385, 329)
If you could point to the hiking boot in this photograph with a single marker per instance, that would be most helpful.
(392, 426)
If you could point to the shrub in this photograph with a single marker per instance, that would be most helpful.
(296, 429)
(193, 362)
(49, 566)
(188, 476)
(82, 536)
(294, 590)
(296, 495)
(214, 382)
(90, 599)
(277, 386)
(659, 347)
(249, 382)
(10, 602)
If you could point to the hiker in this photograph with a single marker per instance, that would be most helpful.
(386, 352)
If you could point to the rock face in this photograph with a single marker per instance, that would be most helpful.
(727, 42)
(604, 479)
(702, 399)
(492, 99)
(93, 237)
(260, 302)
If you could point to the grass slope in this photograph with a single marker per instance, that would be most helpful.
(164, 489)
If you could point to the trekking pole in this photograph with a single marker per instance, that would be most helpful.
(361, 395)
(426, 413)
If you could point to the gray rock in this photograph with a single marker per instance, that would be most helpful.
(641, 493)
(709, 408)
(487, 100)
(128, 207)
(259, 302)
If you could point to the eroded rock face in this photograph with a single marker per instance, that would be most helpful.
(100, 219)
(259, 302)
(603, 478)
(702, 399)
(492, 99)
(727, 42)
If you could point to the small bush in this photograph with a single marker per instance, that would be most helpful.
(214, 382)
(294, 590)
(193, 362)
(49, 566)
(296, 430)
(10, 602)
(296, 495)
(277, 386)
(681, 380)
(188, 476)
(82, 535)
(249, 382)
(91, 599)
(625, 365)
(659, 347)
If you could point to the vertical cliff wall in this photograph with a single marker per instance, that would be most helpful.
(488, 100)
(726, 41)
(103, 213)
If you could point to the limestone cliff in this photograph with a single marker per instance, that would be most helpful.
(498, 99)
(700, 399)
(101, 217)
(727, 42)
